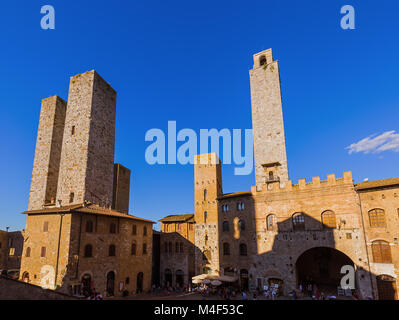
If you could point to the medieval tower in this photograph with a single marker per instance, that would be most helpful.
(87, 158)
(208, 187)
(267, 121)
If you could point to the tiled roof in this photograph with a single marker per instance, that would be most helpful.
(89, 209)
(177, 217)
(377, 184)
(236, 194)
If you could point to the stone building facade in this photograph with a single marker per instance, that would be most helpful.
(79, 235)
(291, 234)
(177, 251)
(11, 244)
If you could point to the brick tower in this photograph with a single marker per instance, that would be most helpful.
(48, 153)
(267, 121)
(87, 158)
(208, 187)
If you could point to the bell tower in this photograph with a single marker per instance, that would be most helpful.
(267, 121)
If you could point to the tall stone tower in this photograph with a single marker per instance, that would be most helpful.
(267, 121)
(46, 164)
(207, 188)
(87, 158)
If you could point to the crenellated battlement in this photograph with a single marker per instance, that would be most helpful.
(303, 185)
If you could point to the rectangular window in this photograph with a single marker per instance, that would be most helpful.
(144, 248)
(45, 226)
(73, 130)
(43, 252)
(71, 197)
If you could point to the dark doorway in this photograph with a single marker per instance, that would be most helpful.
(386, 286)
(168, 277)
(111, 283)
(139, 287)
(86, 285)
(180, 278)
(321, 266)
(244, 279)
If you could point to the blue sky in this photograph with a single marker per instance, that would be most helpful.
(188, 61)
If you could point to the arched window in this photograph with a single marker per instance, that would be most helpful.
(144, 231)
(262, 60)
(205, 216)
(144, 248)
(170, 247)
(328, 219)
(88, 251)
(27, 253)
(89, 226)
(377, 218)
(226, 249)
(243, 249)
(205, 194)
(134, 230)
(241, 225)
(112, 227)
(298, 221)
(240, 206)
(226, 227)
(271, 222)
(225, 208)
(271, 176)
(111, 250)
(381, 251)
(134, 249)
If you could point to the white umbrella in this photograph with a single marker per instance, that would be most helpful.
(216, 283)
(196, 281)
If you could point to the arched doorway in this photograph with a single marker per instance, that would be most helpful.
(244, 279)
(110, 283)
(25, 277)
(140, 278)
(168, 277)
(321, 266)
(179, 278)
(386, 286)
(86, 284)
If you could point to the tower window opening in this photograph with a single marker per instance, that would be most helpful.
(73, 130)
(262, 60)
(71, 197)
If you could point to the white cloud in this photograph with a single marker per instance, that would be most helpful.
(375, 144)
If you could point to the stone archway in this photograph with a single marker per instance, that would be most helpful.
(386, 286)
(111, 283)
(140, 279)
(321, 266)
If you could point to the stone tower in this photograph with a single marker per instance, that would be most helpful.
(121, 188)
(207, 188)
(267, 121)
(87, 157)
(48, 153)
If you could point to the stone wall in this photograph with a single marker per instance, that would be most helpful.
(121, 188)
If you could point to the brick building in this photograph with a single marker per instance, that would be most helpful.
(291, 234)
(79, 234)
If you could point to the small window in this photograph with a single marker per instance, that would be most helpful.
(88, 251)
(205, 216)
(226, 249)
(27, 253)
(225, 208)
(134, 249)
(112, 228)
(89, 226)
(45, 226)
(71, 197)
(181, 247)
(226, 227)
(205, 193)
(243, 249)
(298, 221)
(134, 230)
(177, 247)
(144, 248)
(262, 60)
(73, 130)
(377, 218)
(112, 250)
(43, 252)
(144, 231)
(127, 281)
(271, 222)
(381, 252)
(328, 219)
(241, 225)
(240, 206)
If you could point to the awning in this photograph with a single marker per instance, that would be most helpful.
(202, 277)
